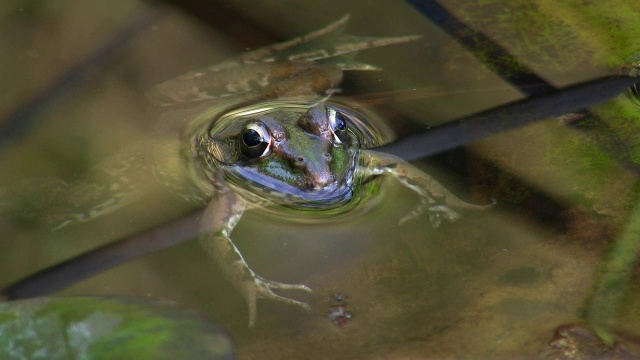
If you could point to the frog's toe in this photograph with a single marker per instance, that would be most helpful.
(435, 220)
(273, 296)
(412, 215)
(461, 205)
(436, 214)
(278, 285)
(445, 212)
(261, 288)
(264, 291)
(439, 212)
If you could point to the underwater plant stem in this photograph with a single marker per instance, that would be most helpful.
(485, 49)
(615, 272)
(506, 117)
(23, 118)
(105, 257)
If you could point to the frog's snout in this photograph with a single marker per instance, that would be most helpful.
(321, 181)
(317, 174)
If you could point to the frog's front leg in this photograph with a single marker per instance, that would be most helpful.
(219, 219)
(434, 198)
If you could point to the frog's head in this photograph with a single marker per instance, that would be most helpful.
(306, 155)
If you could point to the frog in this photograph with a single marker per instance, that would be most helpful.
(305, 157)
(264, 130)
(300, 150)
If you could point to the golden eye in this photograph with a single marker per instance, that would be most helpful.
(255, 140)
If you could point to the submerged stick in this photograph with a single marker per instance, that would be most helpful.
(507, 117)
(615, 272)
(105, 257)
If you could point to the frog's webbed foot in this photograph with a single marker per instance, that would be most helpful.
(434, 198)
(443, 211)
(258, 287)
(251, 286)
(217, 223)
(437, 213)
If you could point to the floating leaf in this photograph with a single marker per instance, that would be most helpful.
(106, 328)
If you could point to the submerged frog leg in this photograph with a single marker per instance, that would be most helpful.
(113, 184)
(434, 198)
(221, 216)
(53, 204)
(255, 70)
(108, 186)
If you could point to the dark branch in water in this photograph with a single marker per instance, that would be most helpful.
(105, 257)
(490, 53)
(511, 70)
(20, 120)
(476, 127)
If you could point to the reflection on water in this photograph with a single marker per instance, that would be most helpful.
(494, 284)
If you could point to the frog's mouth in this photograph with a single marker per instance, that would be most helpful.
(280, 192)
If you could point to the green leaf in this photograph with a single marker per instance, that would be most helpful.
(107, 328)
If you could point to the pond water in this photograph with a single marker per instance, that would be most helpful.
(494, 284)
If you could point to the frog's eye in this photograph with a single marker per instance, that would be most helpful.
(255, 140)
(338, 126)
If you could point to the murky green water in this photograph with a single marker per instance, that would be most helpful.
(494, 284)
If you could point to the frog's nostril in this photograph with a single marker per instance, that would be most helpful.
(300, 163)
(321, 181)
